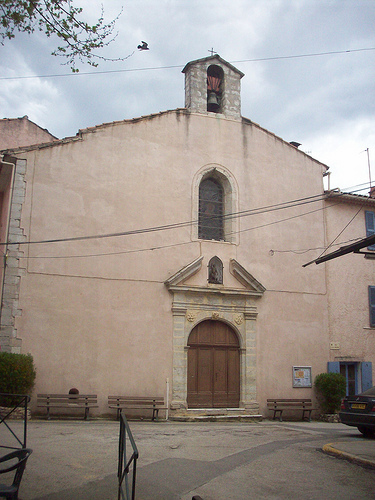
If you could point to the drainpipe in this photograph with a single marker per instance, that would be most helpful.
(328, 174)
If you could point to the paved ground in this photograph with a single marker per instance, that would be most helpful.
(219, 461)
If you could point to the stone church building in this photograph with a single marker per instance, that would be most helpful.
(163, 255)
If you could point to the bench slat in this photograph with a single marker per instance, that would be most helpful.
(289, 405)
(63, 404)
(279, 405)
(154, 403)
(68, 401)
(305, 400)
(135, 398)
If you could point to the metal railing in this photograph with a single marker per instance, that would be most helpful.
(127, 462)
(7, 410)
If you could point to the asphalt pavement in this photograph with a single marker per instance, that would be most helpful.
(78, 459)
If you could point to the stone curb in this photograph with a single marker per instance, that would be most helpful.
(329, 449)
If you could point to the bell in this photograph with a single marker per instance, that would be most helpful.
(213, 102)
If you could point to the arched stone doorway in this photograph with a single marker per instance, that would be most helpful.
(213, 371)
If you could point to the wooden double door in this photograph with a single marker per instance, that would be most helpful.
(213, 366)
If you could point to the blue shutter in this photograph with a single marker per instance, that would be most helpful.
(333, 367)
(371, 300)
(366, 369)
(370, 226)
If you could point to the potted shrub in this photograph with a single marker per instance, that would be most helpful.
(330, 388)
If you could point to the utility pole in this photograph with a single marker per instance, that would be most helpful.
(369, 166)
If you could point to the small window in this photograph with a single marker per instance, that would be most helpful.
(371, 294)
(370, 226)
(211, 210)
(215, 271)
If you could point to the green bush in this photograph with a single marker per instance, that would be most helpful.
(17, 375)
(331, 388)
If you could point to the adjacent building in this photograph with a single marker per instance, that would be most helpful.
(16, 132)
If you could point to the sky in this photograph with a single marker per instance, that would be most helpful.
(309, 70)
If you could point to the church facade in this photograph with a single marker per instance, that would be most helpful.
(164, 255)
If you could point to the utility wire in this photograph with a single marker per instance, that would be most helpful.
(335, 52)
(256, 211)
(305, 250)
(245, 213)
(106, 254)
(128, 70)
(160, 247)
(286, 219)
(340, 233)
(173, 245)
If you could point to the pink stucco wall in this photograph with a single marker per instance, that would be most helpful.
(16, 132)
(96, 314)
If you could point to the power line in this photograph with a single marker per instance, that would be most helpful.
(343, 229)
(286, 219)
(162, 247)
(305, 250)
(314, 54)
(177, 225)
(245, 213)
(128, 70)
(173, 245)
(106, 254)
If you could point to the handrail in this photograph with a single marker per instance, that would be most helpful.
(24, 400)
(125, 465)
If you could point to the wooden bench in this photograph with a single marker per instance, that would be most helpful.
(279, 405)
(68, 401)
(154, 403)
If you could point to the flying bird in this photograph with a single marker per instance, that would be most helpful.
(144, 46)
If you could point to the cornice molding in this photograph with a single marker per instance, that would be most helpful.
(184, 273)
(246, 278)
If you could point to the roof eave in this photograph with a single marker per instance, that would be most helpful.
(215, 56)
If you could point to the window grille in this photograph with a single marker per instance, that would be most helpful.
(211, 210)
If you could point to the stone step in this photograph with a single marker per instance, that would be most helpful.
(216, 418)
(215, 414)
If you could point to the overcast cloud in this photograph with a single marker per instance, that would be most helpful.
(324, 102)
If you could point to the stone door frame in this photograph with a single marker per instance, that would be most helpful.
(236, 307)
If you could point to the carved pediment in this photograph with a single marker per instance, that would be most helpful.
(245, 277)
(178, 280)
(184, 273)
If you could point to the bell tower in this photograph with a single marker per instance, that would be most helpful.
(213, 85)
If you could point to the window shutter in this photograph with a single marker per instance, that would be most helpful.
(333, 367)
(371, 298)
(366, 369)
(370, 226)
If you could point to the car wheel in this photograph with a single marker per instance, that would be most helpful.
(366, 431)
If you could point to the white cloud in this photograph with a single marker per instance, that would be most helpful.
(324, 102)
(343, 149)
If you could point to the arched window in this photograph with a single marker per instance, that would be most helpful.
(211, 210)
(215, 271)
(215, 190)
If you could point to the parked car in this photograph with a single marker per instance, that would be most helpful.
(359, 411)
